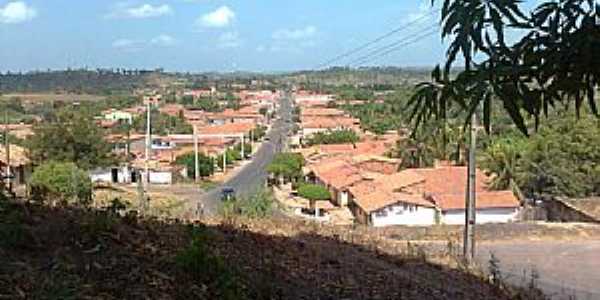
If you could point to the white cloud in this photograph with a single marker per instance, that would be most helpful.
(135, 45)
(292, 40)
(16, 12)
(125, 11)
(295, 34)
(221, 17)
(128, 45)
(163, 40)
(229, 40)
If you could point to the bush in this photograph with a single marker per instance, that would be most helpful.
(334, 137)
(63, 182)
(259, 205)
(198, 260)
(288, 165)
(314, 192)
(206, 164)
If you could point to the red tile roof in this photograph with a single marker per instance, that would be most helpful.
(229, 128)
(447, 187)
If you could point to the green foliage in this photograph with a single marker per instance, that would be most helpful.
(198, 260)
(232, 101)
(353, 93)
(551, 63)
(344, 136)
(60, 181)
(204, 104)
(247, 148)
(72, 137)
(288, 165)
(206, 164)
(163, 124)
(314, 192)
(382, 117)
(12, 230)
(562, 159)
(259, 205)
(259, 132)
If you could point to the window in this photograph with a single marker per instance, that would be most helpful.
(381, 213)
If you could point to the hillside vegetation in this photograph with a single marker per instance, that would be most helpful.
(70, 253)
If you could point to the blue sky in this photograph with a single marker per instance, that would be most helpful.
(208, 35)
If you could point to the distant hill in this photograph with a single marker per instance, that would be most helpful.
(366, 76)
(97, 82)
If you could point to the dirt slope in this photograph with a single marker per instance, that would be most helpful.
(75, 254)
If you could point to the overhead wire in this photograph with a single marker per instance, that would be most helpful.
(395, 46)
(377, 39)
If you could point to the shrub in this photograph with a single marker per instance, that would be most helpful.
(314, 192)
(206, 164)
(334, 137)
(61, 181)
(198, 260)
(259, 205)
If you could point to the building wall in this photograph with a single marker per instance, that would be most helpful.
(403, 214)
(488, 215)
(158, 177)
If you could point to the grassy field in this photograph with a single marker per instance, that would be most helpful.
(44, 97)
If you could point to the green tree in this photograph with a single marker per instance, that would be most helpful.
(503, 160)
(206, 164)
(552, 60)
(313, 193)
(287, 166)
(163, 124)
(344, 136)
(61, 182)
(72, 137)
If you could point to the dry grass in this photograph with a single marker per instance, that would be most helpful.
(161, 204)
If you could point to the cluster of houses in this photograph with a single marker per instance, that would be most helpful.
(316, 116)
(363, 180)
(214, 133)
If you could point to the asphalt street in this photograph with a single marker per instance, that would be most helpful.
(253, 176)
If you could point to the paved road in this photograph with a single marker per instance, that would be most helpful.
(253, 175)
(565, 268)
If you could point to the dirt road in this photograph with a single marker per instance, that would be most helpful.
(565, 268)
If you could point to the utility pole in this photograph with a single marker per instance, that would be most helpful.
(196, 158)
(469, 234)
(224, 160)
(148, 142)
(243, 152)
(7, 148)
(140, 191)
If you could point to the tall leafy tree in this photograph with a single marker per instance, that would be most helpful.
(72, 137)
(553, 61)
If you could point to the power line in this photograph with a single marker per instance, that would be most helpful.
(376, 40)
(385, 50)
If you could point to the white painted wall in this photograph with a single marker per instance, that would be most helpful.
(158, 177)
(401, 214)
(105, 175)
(487, 215)
(101, 176)
(343, 198)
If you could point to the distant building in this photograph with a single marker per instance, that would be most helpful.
(115, 115)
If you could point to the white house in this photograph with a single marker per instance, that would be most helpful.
(112, 175)
(491, 207)
(428, 197)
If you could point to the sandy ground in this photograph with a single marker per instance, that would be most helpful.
(565, 268)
